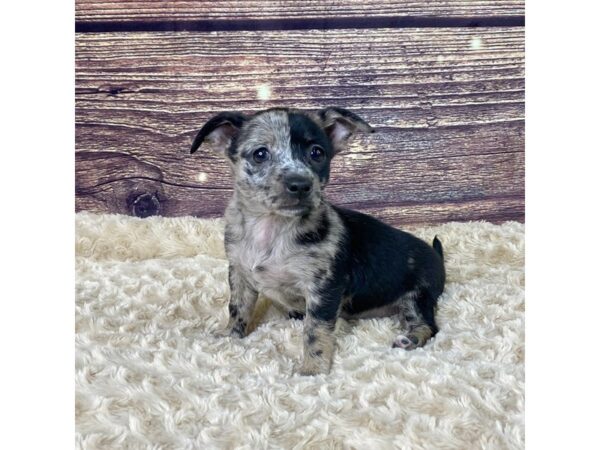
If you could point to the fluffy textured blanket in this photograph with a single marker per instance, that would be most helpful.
(150, 293)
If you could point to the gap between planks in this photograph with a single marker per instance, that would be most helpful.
(332, 23)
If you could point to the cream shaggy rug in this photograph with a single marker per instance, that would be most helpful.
(150, 293)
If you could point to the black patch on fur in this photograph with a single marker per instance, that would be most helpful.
(304, 133)
(377, 265)
(239, 327)
(318, 234)
(259, 268)
(311, 338)
(437, 246)
(229, 275)
(331, 290)
(233, 310)
(318, 352)
(426, 304)
(296, 315)
(328, 307)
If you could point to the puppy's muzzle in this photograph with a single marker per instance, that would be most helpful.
(298, 187)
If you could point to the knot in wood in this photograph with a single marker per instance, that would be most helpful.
(145, 205)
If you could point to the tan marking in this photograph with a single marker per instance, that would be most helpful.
(262, 305)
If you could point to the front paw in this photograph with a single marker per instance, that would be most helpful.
(236, 327)
(302, 371)
(230, 332)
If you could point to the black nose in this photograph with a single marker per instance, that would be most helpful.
(298, 186)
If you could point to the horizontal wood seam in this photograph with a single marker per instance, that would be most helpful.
(297, 24)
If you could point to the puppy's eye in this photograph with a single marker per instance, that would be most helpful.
(260, 155)
(317, 153)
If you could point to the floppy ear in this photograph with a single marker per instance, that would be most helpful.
(340, 125)
(219, 131)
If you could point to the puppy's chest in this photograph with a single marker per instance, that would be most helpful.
(268, 257)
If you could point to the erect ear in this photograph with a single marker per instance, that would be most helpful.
(219, 131)
(340, 125)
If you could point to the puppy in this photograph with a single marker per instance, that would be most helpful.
(321, 262)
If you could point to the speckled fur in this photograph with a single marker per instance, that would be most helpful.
(299, 251)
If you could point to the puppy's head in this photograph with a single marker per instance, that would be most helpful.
(280, 158)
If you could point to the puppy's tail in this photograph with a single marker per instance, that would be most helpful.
(437, 246)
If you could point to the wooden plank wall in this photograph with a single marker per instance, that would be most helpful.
(197, 10)
(447, 100)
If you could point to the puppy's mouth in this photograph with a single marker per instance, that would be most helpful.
(295, 209)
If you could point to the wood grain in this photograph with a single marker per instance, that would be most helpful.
(174, 11)
(447, 105)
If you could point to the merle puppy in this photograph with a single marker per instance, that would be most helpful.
(321, 262)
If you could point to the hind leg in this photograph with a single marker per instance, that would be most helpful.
(417, 323)
(414, 337)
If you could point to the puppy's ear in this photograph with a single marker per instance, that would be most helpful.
(340, 125)
(219, 131)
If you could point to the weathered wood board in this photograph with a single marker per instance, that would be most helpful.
(447, 103)
(190, 10)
